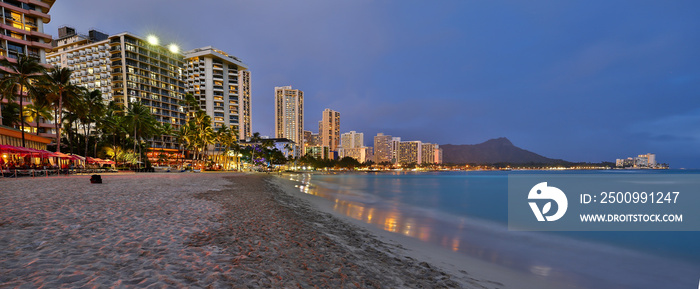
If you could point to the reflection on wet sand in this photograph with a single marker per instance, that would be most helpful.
(572, 263)
(390, 218)
(456, 234)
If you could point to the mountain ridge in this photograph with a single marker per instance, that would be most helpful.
(492, 151)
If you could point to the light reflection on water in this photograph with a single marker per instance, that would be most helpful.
(390, 217)
(572, 263)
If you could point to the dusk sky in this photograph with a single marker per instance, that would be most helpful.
(577, 80)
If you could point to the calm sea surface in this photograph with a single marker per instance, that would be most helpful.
(466, 212)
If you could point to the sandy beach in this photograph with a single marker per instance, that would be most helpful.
(185, 230)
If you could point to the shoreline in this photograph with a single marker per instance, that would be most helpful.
(469, 271)
(522, 257)
(191, 230)
(221, 230)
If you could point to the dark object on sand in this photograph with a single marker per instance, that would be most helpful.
(96, 179)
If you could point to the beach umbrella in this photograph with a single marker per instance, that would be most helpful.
(8, 148)
(49, 154)
(62, 155)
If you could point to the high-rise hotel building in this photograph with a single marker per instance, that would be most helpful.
(352, 145)
(22, 30)
(221, 84)
(329, 129)
(127, 68)
(87, 56)
(431, 153)
(410, 152)
(382, 148)
(289, 116)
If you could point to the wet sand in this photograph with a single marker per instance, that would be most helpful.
(187, 230)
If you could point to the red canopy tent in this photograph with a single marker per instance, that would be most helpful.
(62, 155)
(8, 149)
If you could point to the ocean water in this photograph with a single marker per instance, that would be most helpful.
(466, 212)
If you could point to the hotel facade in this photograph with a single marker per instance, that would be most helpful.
(289, 116)
(23, 28)
(221, 84)
(329, 130)
(382, 148)
(410, 152)
(431, 153)
(23, 34)
(352, 145)
(127, 69)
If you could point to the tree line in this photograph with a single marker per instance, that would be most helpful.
(86, 125)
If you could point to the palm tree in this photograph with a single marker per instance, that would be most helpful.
(227, 138)
(23, 73)
(32, 113)
(191, 104)
(203, 132)
(141, 121)
(69, 125)
(185, 136)
(10, 114)
(90, 109)
(166, 131)
(57, 82)
(113, 122)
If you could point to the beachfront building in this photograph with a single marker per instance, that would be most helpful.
(87, 56)
(410, 152)
(395, 142)
(289, 116)
(329, 130)
(318, 152)
(313, 146)
(23, 34)
(13, 137)
(352, 139)
(431, 153)
(220, 83)
(649, 159)
(311, 139)
(382, 148)
(23, 29)
(352, 145)
(128, 68)
(646, 161)
(361, 154)
(147, 72)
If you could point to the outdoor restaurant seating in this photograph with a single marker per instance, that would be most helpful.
(20, 161)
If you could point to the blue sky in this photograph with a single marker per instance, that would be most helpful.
(577, 80)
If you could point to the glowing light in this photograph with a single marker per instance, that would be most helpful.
(455, 244)
(152, 39)
(173, 48)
